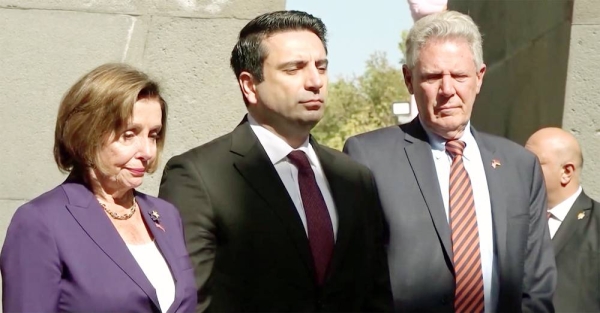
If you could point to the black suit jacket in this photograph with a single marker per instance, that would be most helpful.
(248, 244)
(420, 247)
(577, 251)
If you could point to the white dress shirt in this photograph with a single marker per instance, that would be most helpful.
(157, 271)
(483, 209)
(559, 212)
(277, 150)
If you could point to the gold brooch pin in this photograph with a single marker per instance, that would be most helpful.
(581, 215)
(495, 163)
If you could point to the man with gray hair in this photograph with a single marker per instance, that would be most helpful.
(466, 211)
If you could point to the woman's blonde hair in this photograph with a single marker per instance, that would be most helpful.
(98, 106)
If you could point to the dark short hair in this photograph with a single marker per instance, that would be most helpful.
(248, 54)
(97, 106)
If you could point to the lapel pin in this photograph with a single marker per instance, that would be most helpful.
(581, 215)
(495, 163)
(156, 219)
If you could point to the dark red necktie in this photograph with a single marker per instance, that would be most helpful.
(318, 221)
(468, 295)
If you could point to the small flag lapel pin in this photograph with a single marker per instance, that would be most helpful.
(156, 219)
(496, 163)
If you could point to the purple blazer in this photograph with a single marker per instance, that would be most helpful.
(62, 253)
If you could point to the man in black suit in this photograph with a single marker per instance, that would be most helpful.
(465, 210)
(273, 220)
(573, 219)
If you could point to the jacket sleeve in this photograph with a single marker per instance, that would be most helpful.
(540, 269)
(182, 185)
(30, 264)
(380, 297)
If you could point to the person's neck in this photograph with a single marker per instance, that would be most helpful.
(123, 197)
(566, 193)
(293, 136)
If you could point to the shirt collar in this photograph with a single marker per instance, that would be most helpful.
(560, 211)
(438, 143)
(276, 148)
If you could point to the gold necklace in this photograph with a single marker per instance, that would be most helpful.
(125, 216)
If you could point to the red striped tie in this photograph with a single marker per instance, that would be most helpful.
(468, 295)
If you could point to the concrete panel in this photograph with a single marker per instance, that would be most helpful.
(243, 9)
(106, 6)
(586, 12)
(43, 54)
(582, 109)
(490, 113)
(491, 18)
(190, 57)
(530, 20)
(539, 85)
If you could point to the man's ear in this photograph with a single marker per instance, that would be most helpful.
(407, 78)
(480, 75)
(248, 87)
(568, 170)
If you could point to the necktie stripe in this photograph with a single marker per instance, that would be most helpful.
(468, 296)
(465, 201)
(462, 188)
(469, 268)
(459, 218)
(464, 260)
(457, 176)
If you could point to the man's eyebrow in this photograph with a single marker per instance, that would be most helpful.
(294, 63)
(322, 62)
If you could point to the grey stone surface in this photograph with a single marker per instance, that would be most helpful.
(242, 9)
(43, 54)
(586, 12)
(582, 107)
(191, 59)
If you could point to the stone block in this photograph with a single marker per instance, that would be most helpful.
(538, 84)
(190, 57)
(582, 109)
(43, 54)
(528, 20)
(586, 12)
(242, 9)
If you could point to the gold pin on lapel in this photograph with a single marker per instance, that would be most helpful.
(495, 163)
(581, 215)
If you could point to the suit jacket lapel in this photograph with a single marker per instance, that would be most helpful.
(160, 237)
(495, 178)
(344, 208)
(90, 215)
(421, 161)
(255, 167)
(572, 222)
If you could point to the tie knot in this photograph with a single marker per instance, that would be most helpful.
(299, 159)
(455, 147)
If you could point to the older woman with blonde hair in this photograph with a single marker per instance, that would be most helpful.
(94, 243)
